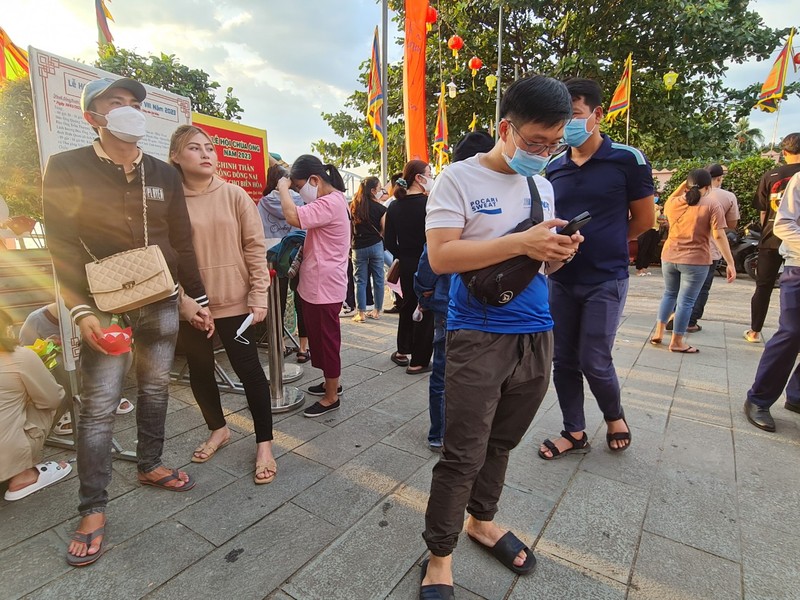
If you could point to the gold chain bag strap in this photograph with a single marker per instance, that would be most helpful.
(131, 279)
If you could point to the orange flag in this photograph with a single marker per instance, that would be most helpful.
(414, 80)
(621, 100)
(13, 59)
(772, 90)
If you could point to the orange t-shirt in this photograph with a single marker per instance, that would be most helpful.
(690, 230)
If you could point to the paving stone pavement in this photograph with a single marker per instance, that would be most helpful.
(696, 508)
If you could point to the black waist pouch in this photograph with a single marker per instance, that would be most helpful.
(499, 284)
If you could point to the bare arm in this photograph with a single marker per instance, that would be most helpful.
(448, 253)
(287, 204)
(679, 191)
(641, 217)
(721, 241)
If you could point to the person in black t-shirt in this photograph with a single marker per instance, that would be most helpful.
(368, 220)
(767, 200)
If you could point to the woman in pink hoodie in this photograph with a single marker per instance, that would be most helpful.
(228, 240)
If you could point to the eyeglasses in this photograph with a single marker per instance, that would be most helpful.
(535, 148)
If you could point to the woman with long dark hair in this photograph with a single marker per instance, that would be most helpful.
(694, 221)
(405, 239)
(368, 215)
(228, 239)
(323, 273)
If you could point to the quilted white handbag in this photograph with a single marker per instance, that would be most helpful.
(130, 279)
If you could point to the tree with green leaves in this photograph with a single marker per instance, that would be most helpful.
(694, 38)
(20, 174)
(746, 139)
(165, 72)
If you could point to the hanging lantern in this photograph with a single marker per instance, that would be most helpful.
(430, 17)
(452, 89)
(669, 81)
(797, 58)
(491, 81)
(474, 64)
(455, 44)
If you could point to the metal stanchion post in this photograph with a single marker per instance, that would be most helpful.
(284, 398)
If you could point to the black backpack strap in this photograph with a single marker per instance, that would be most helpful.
(537, 212)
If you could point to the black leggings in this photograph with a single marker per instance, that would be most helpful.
(413, 337)
(769, 263)
(648, 244)
(246, 364)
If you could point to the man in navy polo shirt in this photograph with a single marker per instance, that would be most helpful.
(614, 183)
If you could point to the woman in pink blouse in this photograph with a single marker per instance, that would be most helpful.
(323, 284)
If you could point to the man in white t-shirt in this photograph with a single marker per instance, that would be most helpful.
(498, 357)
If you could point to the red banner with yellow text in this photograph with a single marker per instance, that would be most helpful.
(241, 152)
(414, 80)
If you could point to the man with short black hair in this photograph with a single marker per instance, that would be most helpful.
(94, 201)
(767, 201)
(614, 183)
(498, 357)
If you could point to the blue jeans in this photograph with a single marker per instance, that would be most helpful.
(369, 263)
(436, 381)
(586, 317)
(682, 284)
(780, 353)
(702, 297)
(155, 330)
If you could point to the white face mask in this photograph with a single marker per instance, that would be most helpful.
(428, 185)
(126, 123)
(308, 192)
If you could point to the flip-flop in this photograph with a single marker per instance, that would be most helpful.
(437, 591)
(687, 350)
(161, 483)
(426, 369)
(656, 341)
(209, 450)
(49, 473)
(506, 550)
(88, 538)
(395, 358)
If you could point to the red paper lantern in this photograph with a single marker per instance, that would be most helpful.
(430, 17)
(455, 44)
(474, 64)
(797, 58)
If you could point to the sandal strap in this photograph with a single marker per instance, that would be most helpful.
(552, 447)
(272, 467)
(88, 538)
(576, 443)
(619, 436)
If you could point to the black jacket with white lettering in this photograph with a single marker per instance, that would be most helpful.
(89, 198)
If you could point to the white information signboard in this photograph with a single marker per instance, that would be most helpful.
(57, 84)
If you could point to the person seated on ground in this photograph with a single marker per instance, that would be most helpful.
(29, 397)
(42, 324)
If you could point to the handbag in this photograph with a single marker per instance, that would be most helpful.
(499, 284)
(131, 279)
(393, 274)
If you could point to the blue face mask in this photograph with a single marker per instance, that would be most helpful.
(525, 163)
(575, 133)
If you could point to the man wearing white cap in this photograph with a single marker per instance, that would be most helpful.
(100, 199)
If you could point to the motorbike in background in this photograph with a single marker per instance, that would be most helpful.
(744, 249)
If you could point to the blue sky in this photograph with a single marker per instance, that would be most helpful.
(287, 61)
